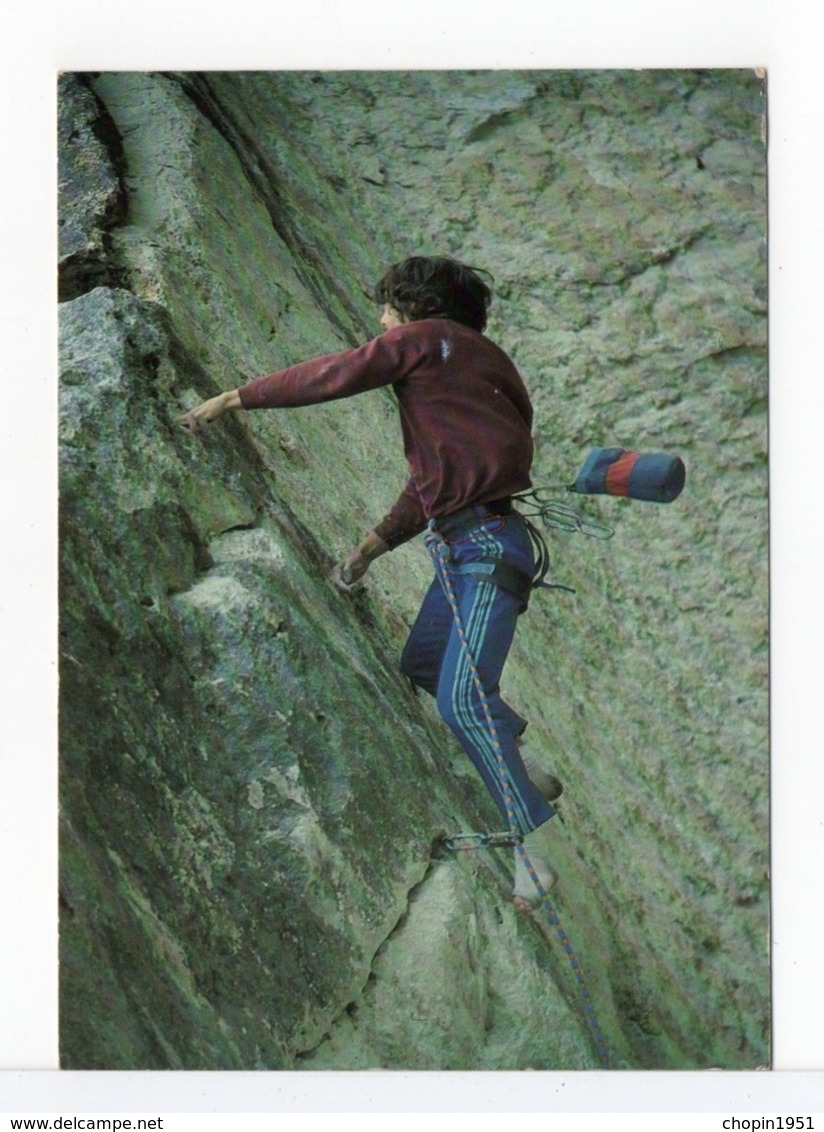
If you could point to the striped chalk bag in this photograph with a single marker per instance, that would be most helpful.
(654, 476)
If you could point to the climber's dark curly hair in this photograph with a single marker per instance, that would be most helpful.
(436, 287)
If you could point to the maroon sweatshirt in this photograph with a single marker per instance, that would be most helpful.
(465, 414)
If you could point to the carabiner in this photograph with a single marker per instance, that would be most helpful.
(464, 842)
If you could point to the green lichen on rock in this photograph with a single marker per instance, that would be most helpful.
(250, 794)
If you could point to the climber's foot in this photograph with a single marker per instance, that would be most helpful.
(550, 786)
(527, 896)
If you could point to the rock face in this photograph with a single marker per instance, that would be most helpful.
(250, 795)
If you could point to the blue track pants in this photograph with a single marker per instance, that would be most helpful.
(439, 659)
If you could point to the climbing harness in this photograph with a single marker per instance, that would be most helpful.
(462, 842)
(493, 570)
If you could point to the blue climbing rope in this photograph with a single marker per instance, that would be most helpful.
(477, 840)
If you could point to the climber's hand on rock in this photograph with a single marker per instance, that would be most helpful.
(348, 573)
(339, 579)
(211, 410)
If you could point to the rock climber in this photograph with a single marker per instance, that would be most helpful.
(466, 422)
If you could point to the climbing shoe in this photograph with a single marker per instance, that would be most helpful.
(550, 786)
(526, 894)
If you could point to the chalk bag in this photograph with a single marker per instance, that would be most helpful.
(653, 476)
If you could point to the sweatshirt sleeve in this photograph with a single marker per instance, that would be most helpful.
(405, 520)
(382, 361)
